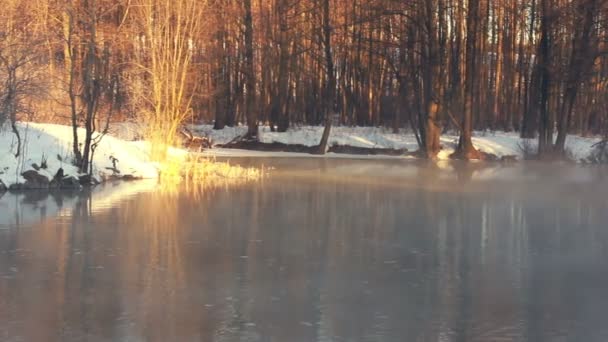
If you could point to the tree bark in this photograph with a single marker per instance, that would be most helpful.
(465, 149)
(250, 92)
(581, 61)
(433, 97)
(331, 78)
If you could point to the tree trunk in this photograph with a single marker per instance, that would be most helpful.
(432, 89)
(545, 138)
(465, 149)
(581, 60)
(250, 92)
(331, 78)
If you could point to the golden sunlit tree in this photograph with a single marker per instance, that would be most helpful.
(89, 74)
(539, 67)
(170, 29)
(20, 74)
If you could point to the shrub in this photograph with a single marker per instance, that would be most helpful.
(599, 153)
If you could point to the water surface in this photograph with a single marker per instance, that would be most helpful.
(320, 250)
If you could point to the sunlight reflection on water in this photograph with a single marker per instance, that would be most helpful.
(342, 251)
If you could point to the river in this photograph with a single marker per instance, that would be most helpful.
(319, 250)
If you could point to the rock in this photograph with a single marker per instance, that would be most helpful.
(3, 187)
(31, 175)
(88, 180)
(34, 180)
(57, 178)
(489, 157)
(85, 180)
(69, 182)
(36, 167)
(59, 175)
(508, 159)
(129, 178)
(16, 187)
(115, 178)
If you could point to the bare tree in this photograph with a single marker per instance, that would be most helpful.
(166, 59)
(330, 84)
(19, 71)
(582, 59)
(250, 91)
(435, 65)
(88, 75)
(465, 149)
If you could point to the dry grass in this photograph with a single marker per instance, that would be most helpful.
(193, 170)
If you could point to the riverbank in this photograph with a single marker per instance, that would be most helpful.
(500, 144)
(47, 151)
(46, 161)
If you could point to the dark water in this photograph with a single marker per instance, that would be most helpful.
(318, 251)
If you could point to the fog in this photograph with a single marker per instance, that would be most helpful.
(319, 250)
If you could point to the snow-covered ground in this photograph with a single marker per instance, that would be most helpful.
(498, 143)
(53, 143)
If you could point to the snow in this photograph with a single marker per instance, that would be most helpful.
(222, 136)
(53, 142)
(498, 143)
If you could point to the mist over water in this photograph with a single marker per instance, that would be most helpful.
(321, 250)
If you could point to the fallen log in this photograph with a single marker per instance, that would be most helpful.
(347, 149)
(268, 147)
(297, 148)
(195, 143)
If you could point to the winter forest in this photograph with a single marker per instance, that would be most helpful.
(304, 170)
(536, 67)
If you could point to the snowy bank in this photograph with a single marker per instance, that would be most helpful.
(498, 143)
(53, 144)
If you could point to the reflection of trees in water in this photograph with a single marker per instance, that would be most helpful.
(467, 260)
(570, 234)
(32, 207)
(151, 241)
(308, 260)
(336, 261)
(47, 264)
(509, 267)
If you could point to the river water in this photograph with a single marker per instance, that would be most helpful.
(319, 250)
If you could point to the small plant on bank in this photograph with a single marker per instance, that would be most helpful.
(44, 162)
(528, 149)
(599, 154)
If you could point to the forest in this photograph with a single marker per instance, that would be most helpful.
(537, 67)
(304, 170)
